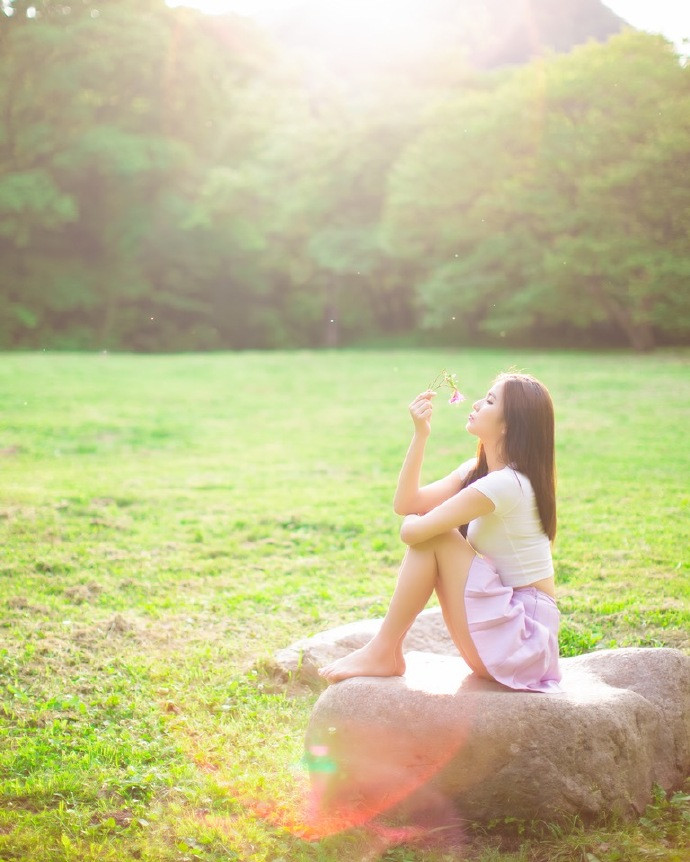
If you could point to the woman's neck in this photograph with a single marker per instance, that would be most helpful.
(494, 460)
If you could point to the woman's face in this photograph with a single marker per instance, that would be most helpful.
(486, 418)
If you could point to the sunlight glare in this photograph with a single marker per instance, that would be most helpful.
(381, 27)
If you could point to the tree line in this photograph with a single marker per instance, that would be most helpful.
(170, 181)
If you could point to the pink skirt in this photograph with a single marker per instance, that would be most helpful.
(514, 630)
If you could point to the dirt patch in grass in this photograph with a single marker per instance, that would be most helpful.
(119, 817)
(84, 593)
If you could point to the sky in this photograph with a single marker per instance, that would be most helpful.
(669, 17)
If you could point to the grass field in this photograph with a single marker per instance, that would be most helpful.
(168, 522)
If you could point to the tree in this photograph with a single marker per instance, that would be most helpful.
(103, 149)
(174, 181)
(556, 197)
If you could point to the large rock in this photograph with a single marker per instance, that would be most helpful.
(302, 659)
(441, 736)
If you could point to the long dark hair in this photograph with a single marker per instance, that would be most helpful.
(528, 443)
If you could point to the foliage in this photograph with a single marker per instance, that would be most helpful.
(173, 181)
(549, 200)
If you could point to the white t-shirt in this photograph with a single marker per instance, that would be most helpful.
(511, 537)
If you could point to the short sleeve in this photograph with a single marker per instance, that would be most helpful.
(502, 487)
(463, 471)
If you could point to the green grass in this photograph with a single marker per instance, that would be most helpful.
(168, 522)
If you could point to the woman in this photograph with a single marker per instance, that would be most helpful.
(495, 586)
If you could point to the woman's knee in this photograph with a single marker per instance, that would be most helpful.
(433, 543)
(453, 539)
(450, 542)
(453, 546)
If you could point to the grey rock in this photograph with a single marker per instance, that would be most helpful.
(440, 737)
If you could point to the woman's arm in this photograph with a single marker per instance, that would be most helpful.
(462, 508)
(409, 497)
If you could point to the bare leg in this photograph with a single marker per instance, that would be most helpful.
(383, 655)
(443, 564)
(454, 556)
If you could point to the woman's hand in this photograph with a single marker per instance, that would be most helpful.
(420, 411)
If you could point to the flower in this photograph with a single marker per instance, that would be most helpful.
(451, 381)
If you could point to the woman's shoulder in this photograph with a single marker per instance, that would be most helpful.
(521, 478)
(505, 487)
(511, 477)
(505, 477)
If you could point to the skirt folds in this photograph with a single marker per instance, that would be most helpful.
(514, 630)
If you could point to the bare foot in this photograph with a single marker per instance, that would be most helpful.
(370, 660)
